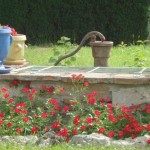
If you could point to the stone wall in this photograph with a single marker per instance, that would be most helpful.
(124, 86)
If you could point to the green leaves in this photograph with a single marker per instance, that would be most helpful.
(64, 47)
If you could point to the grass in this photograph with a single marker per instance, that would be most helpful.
(68, 147)
(120, 57)
(128, 56)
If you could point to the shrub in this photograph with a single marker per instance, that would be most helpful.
(47, 21)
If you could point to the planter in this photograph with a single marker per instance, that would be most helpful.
(101, 52)
(5, 42)
(16, 53)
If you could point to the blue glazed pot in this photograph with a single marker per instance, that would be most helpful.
(5, 42)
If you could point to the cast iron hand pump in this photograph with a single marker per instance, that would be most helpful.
(91, 35)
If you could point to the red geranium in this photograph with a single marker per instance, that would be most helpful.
(55, 126)
(101, 130)
(19, 130)
(34, 130)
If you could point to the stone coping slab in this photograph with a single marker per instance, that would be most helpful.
(128, 75)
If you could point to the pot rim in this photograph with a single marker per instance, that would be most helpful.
(102, 43)
(19, 37)
(5, 30)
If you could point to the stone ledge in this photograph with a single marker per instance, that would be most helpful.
(90, 77)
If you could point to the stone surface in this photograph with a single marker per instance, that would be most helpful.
(99, 139)
(129, 86)
(94, 139)
(20, 139)
(50, 138)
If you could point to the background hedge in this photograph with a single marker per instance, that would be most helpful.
(48, 20)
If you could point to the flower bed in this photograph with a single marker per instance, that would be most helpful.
(39, 111)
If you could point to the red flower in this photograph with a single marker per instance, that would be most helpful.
(31, 97)
(127, 129)
(11, 100)
(119, 117)
(25, 119)
(73, 76)
(148, 127)
(34, 130)
(102, 101)
(80, 76)
(120, 134)
(137, 129)
(19, 130)
(125, 109)
(17, 110)
(112, 118)
(109, 106)
(66, 108)
(111, 134)
(13, 32)
(73, 103)
(50, 89)
(76, 120)
(75, 131)
(89, 120)
(97, 112)
(3, 89)
(86, 84)
(91, 100)
(6, 95)
(2, 114)
(83, 128)
(44, 86)
(101, 130)
(46, 129)
(1, 121)
(107, 100)
(55, 126)
(15, 82)
(76, 77)
(20, 105)
(9, 124)
(44, 115)
(24, 111)
(52, 112)
(25, 90)
(61, 89)
(33, 91)
(63, 132)
(53, 101)
(133, 136)
(36, 116)
(148, 141)
(56, 107)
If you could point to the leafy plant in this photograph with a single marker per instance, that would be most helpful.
(63, 48)
(140, 53)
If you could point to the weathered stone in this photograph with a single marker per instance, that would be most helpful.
(130, 86)
(97, 139)
(122, 142)
(49, 138)
(20, 139)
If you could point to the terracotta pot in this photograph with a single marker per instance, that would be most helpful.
(101, 52)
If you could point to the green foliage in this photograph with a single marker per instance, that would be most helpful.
(64, 48)
(140, 53)
(46, 21)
